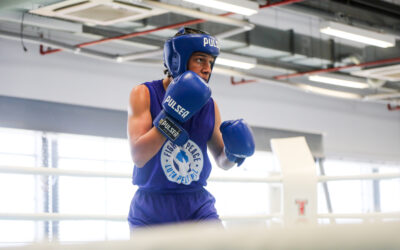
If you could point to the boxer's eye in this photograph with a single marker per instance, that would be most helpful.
(200, 60)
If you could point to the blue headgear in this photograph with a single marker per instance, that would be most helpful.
(178, 49)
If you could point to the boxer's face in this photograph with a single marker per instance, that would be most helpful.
(200, 63)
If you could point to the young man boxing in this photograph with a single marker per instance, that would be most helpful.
(171, 124)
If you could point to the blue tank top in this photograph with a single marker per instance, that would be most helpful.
(174, 168)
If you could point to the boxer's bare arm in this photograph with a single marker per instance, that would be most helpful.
(144, 139)
(216, 144)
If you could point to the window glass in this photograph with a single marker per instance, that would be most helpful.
(234, 198)
(243, 198)
(389, 190)
(94, 195)
(82, 230)
(349, 196)
(18, 193)
(13, 232)
(261, 164)
(17, 141)
(21, 193)
(81, 147)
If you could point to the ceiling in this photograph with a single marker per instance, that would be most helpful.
(283, 37)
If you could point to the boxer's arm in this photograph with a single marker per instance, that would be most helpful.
(144, 140)
(216, 144)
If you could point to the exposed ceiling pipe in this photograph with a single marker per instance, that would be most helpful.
(279, 3)
(335, 69)
(242, 81)
(393, 108)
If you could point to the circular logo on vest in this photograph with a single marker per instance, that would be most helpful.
(182, 164)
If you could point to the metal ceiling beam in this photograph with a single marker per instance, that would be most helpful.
(335, 69)
(382, 7)
(372, 53)
(337, 10)
(294, 43)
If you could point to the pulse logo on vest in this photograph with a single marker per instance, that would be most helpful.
(176, 107)
(182, 164)
(210, 42)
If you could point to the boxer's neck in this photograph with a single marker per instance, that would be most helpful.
(166, 81)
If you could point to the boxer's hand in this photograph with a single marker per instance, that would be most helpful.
(238, 140)
(185, 96)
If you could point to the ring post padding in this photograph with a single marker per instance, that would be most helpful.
(299, 180)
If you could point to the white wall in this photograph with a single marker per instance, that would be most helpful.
(351, 129)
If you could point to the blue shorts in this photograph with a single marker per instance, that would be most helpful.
(155, 208)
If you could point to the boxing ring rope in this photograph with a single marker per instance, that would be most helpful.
(387, 215)
(58, 216)
(359, 177)
(206, 236)
(104, 174)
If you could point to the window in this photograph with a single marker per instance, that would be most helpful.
(88, 195)
(244, 198)
(389, 190)
(349, 196)
(18, 192)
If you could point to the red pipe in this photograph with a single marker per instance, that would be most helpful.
(190, 22)
(171, 26)
(334, 69)
(389, 107)
(279, 3)
(48, 51)
(233, 82)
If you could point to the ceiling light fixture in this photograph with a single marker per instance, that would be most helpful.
(357, 34)
(246, 8)
(338, 82)
(236, 61)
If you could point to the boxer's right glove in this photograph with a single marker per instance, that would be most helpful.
(185, 95)
(238, 140)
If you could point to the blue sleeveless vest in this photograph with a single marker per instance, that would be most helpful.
(174, 168)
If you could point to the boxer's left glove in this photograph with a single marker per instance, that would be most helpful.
(238, 140)
(185, 96)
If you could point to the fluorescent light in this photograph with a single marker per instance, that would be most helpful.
(233, 63)
(329, 92)
(338, 82)
(236, 61)
(242, 7)
(357, 34)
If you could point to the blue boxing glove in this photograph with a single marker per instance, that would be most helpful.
(185, 96)
(238, 140)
